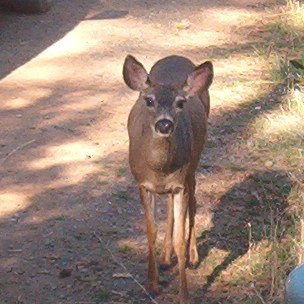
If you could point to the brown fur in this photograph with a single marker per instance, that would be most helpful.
(167, 164)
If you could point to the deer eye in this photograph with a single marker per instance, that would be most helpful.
(149, 101)
(180, 103)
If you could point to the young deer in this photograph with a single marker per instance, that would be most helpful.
(167, 129)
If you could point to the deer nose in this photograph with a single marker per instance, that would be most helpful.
(164, 126)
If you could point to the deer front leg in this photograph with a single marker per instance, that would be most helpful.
(148, 201)
(165, 259)
(180, 201)
(193, 254)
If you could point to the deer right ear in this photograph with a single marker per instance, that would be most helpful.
(134, 74)
(200, 79)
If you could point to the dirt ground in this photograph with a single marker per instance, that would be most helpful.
(64, 177)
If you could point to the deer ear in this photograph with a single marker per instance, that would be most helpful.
(200, 79)
(134, 74)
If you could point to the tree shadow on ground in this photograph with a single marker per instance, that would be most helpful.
(257, 198)
(25, 36)
(249, 212)
(230, 129)
(49, 249)
(56, 231)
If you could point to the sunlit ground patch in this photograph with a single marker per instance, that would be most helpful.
(12, 202)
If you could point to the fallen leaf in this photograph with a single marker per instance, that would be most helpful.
(52, 256)
(121, 294)
(64, 273)
(15, 250)
(44, 271)
(83, 262)
(269, 163)
(183, 24)
(122, 275)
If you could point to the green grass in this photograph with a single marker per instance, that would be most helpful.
(281, 131)
(60, 218)
(234, 167)
(286, 43)
(124, 248)
(104, 182)
(121, 171)
(122, 195)
(103, 173)
(102, 294)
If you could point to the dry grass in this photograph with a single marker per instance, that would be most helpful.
(281, 131)
(276, 140)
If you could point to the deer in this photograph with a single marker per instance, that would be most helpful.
(167, 128)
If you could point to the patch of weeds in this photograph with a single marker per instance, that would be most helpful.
(203, 233)
(120, 171)
(174, 290)
(60, 218)
(235, 232)
(104, 182)
(240, 274)
(103, 173)
(228, 129)
(285, 189)
(122, 195)
(212, 261)
(252, 300)
(235, 167)
(78, 236)
(102, 294)
(274, 129)
(210, 144)
(287, 45)
(110, 231)
(124, 248)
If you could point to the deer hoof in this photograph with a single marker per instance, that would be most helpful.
(193, 259)
(184, 300)
(153, 289)
(164, 266)
(193, 264)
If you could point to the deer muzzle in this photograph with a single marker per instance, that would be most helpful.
(164, 127)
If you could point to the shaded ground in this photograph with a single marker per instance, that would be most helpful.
(63, 149)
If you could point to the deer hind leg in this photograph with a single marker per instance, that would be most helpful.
(180, 205)
(165, 259)
(148, 201)
(193, 254)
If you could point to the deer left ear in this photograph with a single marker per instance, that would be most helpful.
(134, 74)
(200, 79)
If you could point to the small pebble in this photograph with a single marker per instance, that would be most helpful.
(268, 163)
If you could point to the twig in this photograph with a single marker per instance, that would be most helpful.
(118, 293)
(15, 250)
(249, 240)
(301, 242)
(124, 267)
(258, 294)
(17, 149)
(295, 179)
